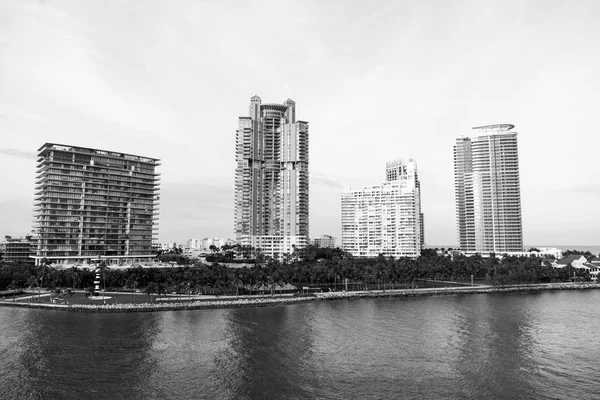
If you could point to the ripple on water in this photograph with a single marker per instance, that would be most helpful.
(535, 345)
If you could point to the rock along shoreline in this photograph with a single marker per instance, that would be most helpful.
(272, 301)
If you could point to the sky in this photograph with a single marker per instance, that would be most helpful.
(376, 80)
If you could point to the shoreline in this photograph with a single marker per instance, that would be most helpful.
(234, 302)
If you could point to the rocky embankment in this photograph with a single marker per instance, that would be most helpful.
(184, 305)
(455, 290)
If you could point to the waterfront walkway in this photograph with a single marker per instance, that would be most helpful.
(211, 302)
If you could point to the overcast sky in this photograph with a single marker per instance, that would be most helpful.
(376, 80)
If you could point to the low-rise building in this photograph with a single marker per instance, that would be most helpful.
(547, 252)
(574, 261)
(593, 270)
(324, 241)
(17, 249)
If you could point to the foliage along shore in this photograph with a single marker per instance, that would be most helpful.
(313, 266)
(277, 300)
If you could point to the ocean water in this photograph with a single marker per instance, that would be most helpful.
(491, 346)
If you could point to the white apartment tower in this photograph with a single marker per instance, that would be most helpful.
(271, 179)
(487, 190)
(385, 219)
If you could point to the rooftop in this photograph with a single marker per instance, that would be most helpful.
(570, 259)
(495, 128)
(274, 106)
(86, 150)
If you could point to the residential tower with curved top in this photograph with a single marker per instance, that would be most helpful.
(487, 190)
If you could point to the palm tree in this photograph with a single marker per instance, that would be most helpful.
(262, 280)
(14, 285)
(76, 278)
(237, 281)
(31, 281)
(152, 287)
(161, 290)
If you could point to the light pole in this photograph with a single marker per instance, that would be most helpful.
(103, 284)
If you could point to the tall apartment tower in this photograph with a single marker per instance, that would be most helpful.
(271, 179)
(487, 190)
(92, 204)
(385, 219)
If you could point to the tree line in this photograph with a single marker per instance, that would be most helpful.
(311, 266)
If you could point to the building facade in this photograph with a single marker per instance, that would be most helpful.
(271, 179)
(487, 191)
(217, 242)
(193, 243)
(17, 249)
(324, 241)
(385, 219)
(92, 204)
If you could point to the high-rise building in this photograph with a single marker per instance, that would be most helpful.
(487, 190)
(92, 204)
(385, 219)
(271, 179)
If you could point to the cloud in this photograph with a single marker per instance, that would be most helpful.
(54, 54)
(325, 180)
(192, 209)
(29, 155)
(17, 219)
(376, 16)
(584, 188)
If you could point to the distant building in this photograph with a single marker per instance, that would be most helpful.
(92, 204)
(574, 261)
(594, 267)
(194, 244)
(17, 249)
(547, 256)
(163, 246)
(191, 253)
(578, 261)
(386, 218)
(271, 179)
(156, 246)
(548, 252)
(487, 191)
(206, 243)
(324, 241)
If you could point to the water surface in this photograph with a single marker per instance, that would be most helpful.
(534, 345)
